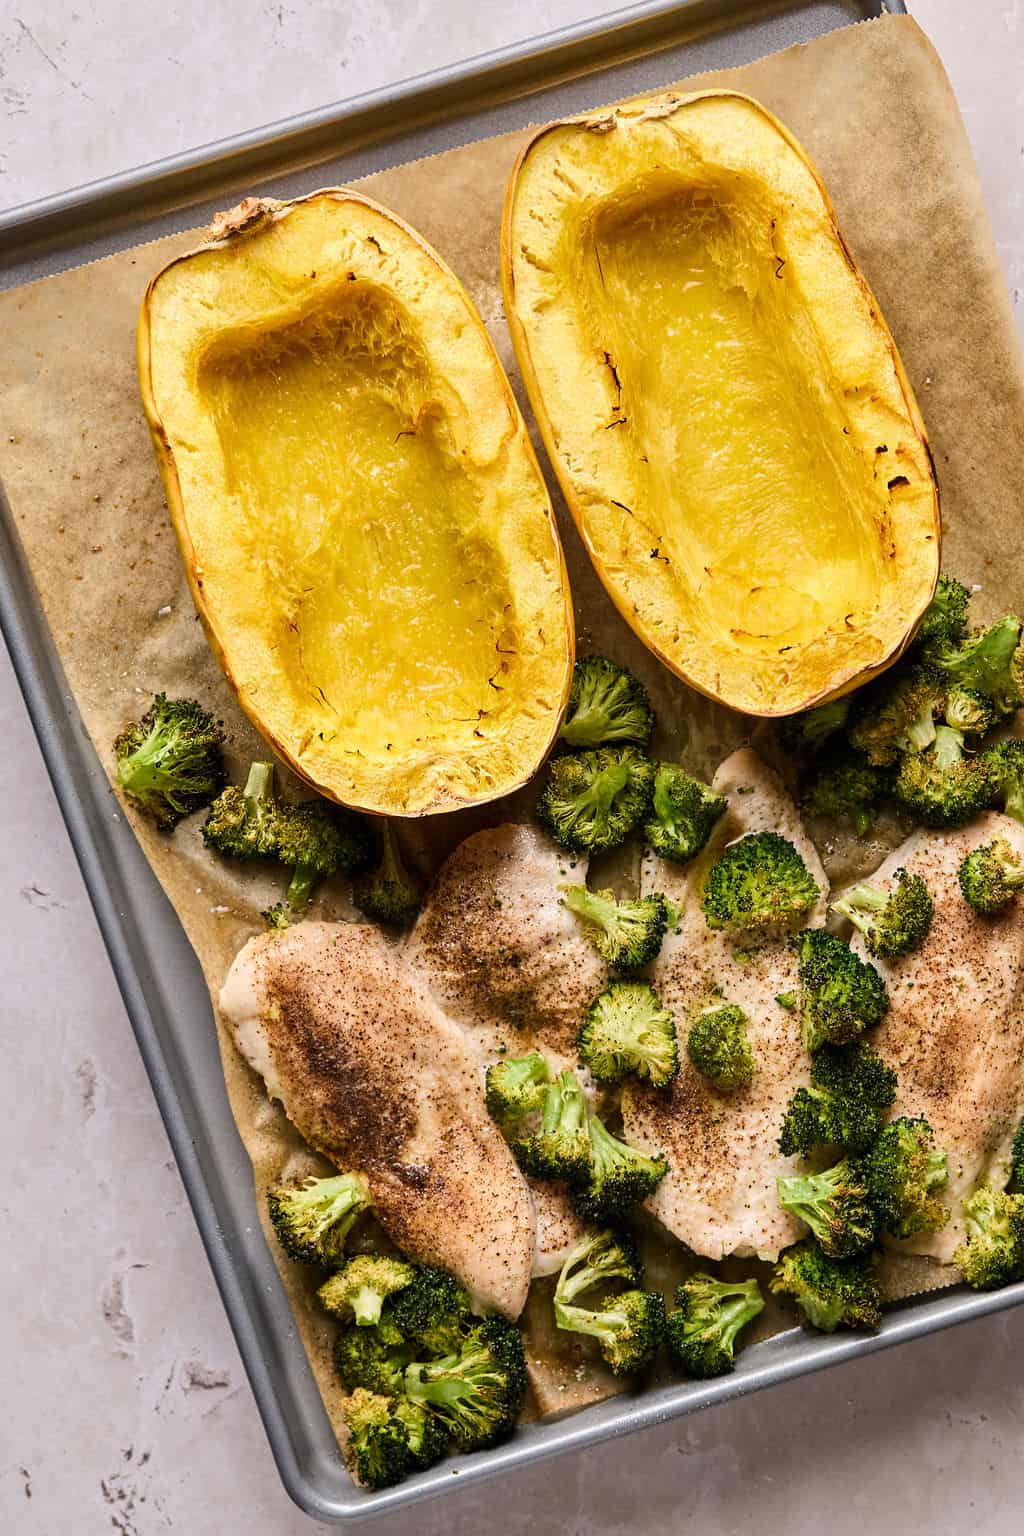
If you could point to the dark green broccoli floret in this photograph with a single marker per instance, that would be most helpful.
(969, 711)
(809, 731)
(559, 1148)
(358, 1291)
(943, 787)
(171, 762)
(593, 800)
(629, 1328)
(426, 1434)
(515, 1087)
(388, 893)
(478, 1392)
(835, 1205)
(241, 822)
(993, 1252)
(372, 1358)
(829, 1292)
(597, 1259)
(432, 1312)
(759, 882)
(903, 1170)
(606, 704)
(1006, 764)
(683, 812)
(626, 1029)
(840, 995)
(990, 877)
(701, 1333)
(313, 1219)
(846, 787)
(718, 1047)
(893, 922)
(850, 1091)
(377, 1449)
(278, 916)
(618, 1176)
(986, 661)
(897, 715)
(627, 934)
(945, 619)
(1017, 1159)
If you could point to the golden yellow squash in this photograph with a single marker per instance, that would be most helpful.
(368, 537)
(720, 397)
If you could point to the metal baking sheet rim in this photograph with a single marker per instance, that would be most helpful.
(324, 1490)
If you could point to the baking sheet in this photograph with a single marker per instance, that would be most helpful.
(85, 495)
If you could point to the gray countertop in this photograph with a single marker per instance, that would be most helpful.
(122, 1400)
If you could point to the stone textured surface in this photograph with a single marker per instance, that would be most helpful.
(122, 1399)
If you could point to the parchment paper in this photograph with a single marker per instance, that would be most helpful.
(874, 108)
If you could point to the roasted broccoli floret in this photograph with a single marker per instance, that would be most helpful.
(627, 934)
(897, 715)
(718, 1047)
(478, 1392)
(1017, 1159)
(372, 1358)
(683, 812)
(312, 1220)
(902, 1171)
(987, 662)
(560, 1147)
(760, 882)
(593, 800)
(358, 1291)
(969, 711)
(993, 1252)
(851, 1090)
(377, 1449)
(990, 877)
(606, 705)
(426, 1434)
(893, 922)
(945, 619)
(829, 1292)
(943, 787)
(1006, 764)
(629, 1328)
(626, 1029)
(701, 1333)
(515, 1087)
(171, 762)
(241, 821)
(432, 1312)
(846, 787)
(617, 1177)
(835, 1205)
(808, 732)
(840, 995)
(278, 916)
(599, 1257)
(389, 894)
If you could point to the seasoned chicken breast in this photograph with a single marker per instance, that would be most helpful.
(559, 1228)
(377, 1079)
(954, 1031)
(497, 950)
(719, 1194)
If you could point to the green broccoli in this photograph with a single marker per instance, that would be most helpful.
(426, 1435)
(893, 922)
(969, 711)
(629, 1328)
(829, 1291)
(358, 1291)
(313, 1220)
(684, 811)
(279, 916)
(986, 661)
(808, 732)
(943, 787)
(431, 1313)
(559, 1148)
(593, 800)
(171, 762)
(389, 894)
(992, 1254)
(372, 1358)
(377, 1449)
(477, 1393)
(606, 704)
(897, 714)
(903, 1170)
(840, 995)
(627, 934)
(701, 1333)
(515, 1087)
(617, 1177)
(626, 1029)
(1006, 764)
(846, 787)
(990, 877)
(1017, 1159)
(598, 1258)
(945, 619)
(851, 1089)
(760, 882)
(718, 1047)
(835, 1205)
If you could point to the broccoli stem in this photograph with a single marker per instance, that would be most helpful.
(304, 878)
(366, 1305)
(600, 1325)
